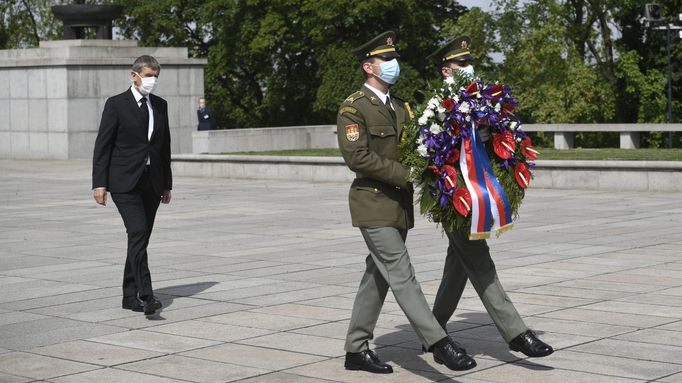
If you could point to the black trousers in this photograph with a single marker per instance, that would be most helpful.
(138, 209)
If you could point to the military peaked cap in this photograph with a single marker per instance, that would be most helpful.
(455, 50)
(380, 46)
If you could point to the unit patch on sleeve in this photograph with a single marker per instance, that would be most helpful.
(347, 109)
(352, 132)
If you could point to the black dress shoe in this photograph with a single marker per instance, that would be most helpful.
(452, 355)
(366, 361)
(530, 345)
(152, 306)
(133, 304)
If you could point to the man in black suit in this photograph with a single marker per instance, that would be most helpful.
(132, 162)
(205, 116)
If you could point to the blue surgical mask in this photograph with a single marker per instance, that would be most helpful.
(390, 71)
(468, 70)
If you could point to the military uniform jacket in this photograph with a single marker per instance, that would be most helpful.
(368, 138)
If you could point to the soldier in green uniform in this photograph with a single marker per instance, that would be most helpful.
(470, 259)
(369, 123)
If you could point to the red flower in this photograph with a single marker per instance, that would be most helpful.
(450, 174)
(433, 169)
(528, 150)
(472, 88)
(522, 175)
(495, 91)
(504, 145)
(507, 110)
(448, 104)
(456, 128)
(453, 156)
(461, 200)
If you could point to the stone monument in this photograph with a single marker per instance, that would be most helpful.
(51, 97)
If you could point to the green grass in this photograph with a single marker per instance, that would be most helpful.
(545, 154)
(611, 154)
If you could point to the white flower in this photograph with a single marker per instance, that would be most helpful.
(433, 102)
(428, 113)
(423, 119)
(422, 150)
(498, 107)
(435, 128)
(441, 116)
(464, 107)
(512, 126)
(449, 80)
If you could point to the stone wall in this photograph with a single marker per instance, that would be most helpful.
(262, 139)
(51, 97)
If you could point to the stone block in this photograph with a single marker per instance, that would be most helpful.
(18, 83)
(57, 115)
(37, 87)
(81, 145)
(83, 82)
(576, 179)
(563, 140)
(56, 84)
(18, 115)
(629, 140)
(83, 115)
(38, 115)
(39, 367)
(168, 82)
(195, 370)
(4, 115)
(58, 147)
(20, 147)
(4, 86)
(158, 342)
(38, 145)
(623, 180)
(665, 181)
(5, 145)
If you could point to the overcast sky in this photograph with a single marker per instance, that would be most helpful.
(483, 4)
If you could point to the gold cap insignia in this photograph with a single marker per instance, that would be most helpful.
(464, 45)
(389, 41)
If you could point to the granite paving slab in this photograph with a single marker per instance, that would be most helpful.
(261, 289)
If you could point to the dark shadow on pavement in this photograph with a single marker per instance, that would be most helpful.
(503, 353)
(415, 365)
(167, 294)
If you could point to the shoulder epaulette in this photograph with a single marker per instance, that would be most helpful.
(357, 95)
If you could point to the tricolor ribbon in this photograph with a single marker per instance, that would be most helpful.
(490, 210)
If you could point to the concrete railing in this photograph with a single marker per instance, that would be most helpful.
(324, 136)
(262, 139)
(651, 176)
(629, 133)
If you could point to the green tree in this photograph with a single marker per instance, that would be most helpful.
(288, 62)
(24, 23)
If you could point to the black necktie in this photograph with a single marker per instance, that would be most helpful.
(390, 107)
(144, 112)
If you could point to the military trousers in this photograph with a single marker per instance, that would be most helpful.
(388, 266)
(470, 260)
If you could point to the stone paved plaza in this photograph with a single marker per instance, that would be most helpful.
(258, 280)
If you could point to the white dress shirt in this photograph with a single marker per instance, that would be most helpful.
(382, 96)
(150, 127)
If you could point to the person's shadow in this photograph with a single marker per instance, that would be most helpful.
(169, 293)
(392, 347)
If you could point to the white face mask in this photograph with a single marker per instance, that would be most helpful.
(148, 84)
(467, 70)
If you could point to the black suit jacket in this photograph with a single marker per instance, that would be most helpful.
(122, 147)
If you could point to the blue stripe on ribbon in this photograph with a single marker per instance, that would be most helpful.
(480, 149)
(479, 155)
